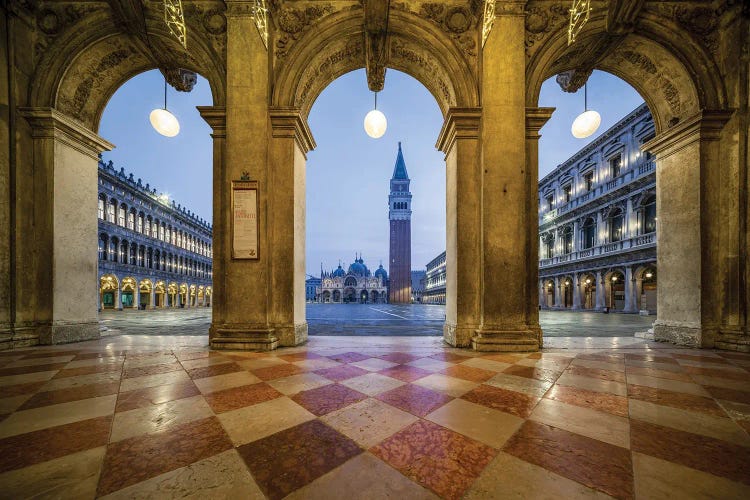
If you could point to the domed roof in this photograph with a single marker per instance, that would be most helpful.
(381, 273)
(339, 272)
(358, 268)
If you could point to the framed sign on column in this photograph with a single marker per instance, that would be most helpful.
(245, 243)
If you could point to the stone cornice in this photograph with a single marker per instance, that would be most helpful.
(48, 123)
(535, 120)
(240, 8)
(705, 125)
(288, 122)
(216, 117)
(460, 123)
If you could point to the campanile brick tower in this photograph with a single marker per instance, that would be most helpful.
(399, 213)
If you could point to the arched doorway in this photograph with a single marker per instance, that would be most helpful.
(146, 294)
(588, 291)
(567, 287)
(549, 294)
(128, 293)
(172, 294)
(615, 290)
(109, 292)
(160, 295)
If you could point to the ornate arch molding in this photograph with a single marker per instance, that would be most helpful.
(674, 74)
(82, 68)
(336, 47)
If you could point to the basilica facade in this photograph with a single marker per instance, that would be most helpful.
(355, 285)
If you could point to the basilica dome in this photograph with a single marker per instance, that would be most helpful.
(358, 268)
(339, 272)
(381, 273)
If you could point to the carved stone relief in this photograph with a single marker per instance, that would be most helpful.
(54, 18)
(459, 21)
(293, 22)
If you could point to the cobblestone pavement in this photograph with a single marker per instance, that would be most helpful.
(138, 416)
(373, 319)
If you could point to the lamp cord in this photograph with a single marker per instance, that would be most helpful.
(376, 100)
(585, 97)
(165, 94)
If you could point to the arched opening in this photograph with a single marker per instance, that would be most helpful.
(109, 292)
(128, 293)
(567, 286)
(159, 295)
(145, 294)
(615, 291)
(588, 291)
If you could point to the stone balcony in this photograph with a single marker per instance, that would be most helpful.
(636, 242)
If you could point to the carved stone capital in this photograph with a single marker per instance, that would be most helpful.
(460, 123)
(182, 80)
(288, 122)
(535, 120)
(216, 117)
(48, 123)
(705, 125)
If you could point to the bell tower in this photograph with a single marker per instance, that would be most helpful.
(399, 214)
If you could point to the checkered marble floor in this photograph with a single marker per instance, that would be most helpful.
(409, 420)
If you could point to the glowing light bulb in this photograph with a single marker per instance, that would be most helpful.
(375, 124)
(585, 124)
(164, 122)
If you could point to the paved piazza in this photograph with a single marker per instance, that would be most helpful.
(371, 417)
(373, 319)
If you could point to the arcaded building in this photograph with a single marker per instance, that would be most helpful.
(434, 281)
(597, 223)
(153, 253)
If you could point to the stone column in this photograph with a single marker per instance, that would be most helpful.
(576, 230)
(459, 140)
(577, 290)
(600, 292)
(239, 319)
(630, 302)
(696, 215)
(152, 298)
(509, 190)
(118, 299)
(601, 230)
(630, 221)
(291, 139)
(178, 301)
(540, 293)
(558, 292)
(137, 297)
(56, 230)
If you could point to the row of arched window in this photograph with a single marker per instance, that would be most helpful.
(400, 205)
(615, 229)
(123, 252)
(119, 214)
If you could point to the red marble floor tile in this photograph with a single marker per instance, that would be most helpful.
(715, 456)
(716, 372)
(213, 370)
(399, 357)
(448, 357)
(702, 358)
(46, 444)
(679, 400)
(442, 460)
(188, 356)
(49, 354)
(349, 357)
(730, 394)
(343, 372)
(98, 354)
(140, 398)
(277, 371)
(654, 372)
(20, 389)
(416, 400)
(654, 358)
(608, 375)
(71, 394)
(88, 370)
(328, 398)
(532, 372)
(140, 371)
(21, 370)
(513, 402)
(286, 461)
(239, 397)
(610, 403)
(299, 356)
(594, 463)
(503, 358)
(468, 373)
(405, 373)
(535, 355)
(607, 358)
(136, 459)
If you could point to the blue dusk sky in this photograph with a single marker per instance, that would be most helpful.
(348, 173)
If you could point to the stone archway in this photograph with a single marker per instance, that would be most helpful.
(672, 56)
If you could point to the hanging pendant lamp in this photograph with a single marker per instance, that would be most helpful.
(587, 122)
(162, 120)
(375, 122)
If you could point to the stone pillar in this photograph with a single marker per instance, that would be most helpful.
(137, 297)
(152, 298)
(691, 202)
(291, 139)
(576, 230)
(558, 292)
(540, 293)
(630, 221)
(239, 319)
(56, 234)
(178, 301)
(600, 291)
(630, 302)
(459, 140)
(508, 194)
(601, 230)
(118, 299)
(577, 290)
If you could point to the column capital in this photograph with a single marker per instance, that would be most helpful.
(288, 122)
(48, 123)
(704, 125)
(460, 123)
(216, 117)
(536, 118)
